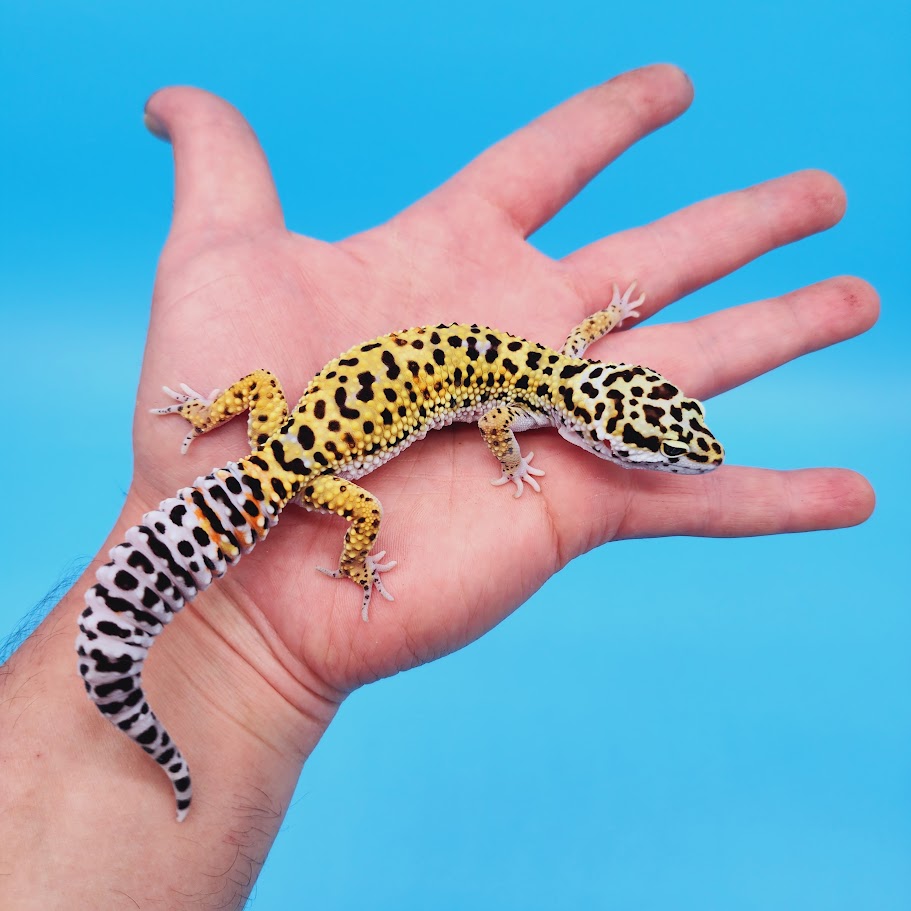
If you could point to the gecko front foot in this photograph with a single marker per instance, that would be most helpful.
(524, 474)
(192, 406)
(623, 303)
(367, 576)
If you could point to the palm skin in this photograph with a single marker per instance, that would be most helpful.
(237, 291)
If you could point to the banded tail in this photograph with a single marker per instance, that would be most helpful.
(175, 553)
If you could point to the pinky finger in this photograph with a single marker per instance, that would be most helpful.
(736, 501)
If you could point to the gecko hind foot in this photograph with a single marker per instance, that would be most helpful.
(371, 580)
(189, 404)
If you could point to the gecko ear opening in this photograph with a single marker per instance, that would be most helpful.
(674, 448)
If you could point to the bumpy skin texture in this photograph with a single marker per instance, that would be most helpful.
(360, 411)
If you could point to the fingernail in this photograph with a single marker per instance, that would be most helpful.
(155, 126)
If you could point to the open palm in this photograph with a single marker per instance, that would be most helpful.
(237, 291)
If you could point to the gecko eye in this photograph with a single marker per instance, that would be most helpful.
(674, 448)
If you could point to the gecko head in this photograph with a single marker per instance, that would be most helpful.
(634, 416)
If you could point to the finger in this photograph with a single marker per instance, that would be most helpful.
(735, 501)
(222, 180)
(677, 254)
(532, 174)
(722, 350)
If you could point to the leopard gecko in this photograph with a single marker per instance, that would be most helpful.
(361, 410)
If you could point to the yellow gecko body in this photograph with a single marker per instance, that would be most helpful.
(361, 410)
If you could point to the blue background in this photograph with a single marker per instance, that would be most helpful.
(744, 742)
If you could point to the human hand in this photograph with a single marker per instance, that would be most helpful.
(237, 291)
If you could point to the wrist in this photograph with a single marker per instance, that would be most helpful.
(244, 714)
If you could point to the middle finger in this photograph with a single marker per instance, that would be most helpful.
(699, 244)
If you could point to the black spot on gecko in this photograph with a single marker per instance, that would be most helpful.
(109, 628)
(417, 343)
(371, 346)
(386, 415)
(392, 368)
(438, 356)
(319, 409)
(125, 581)
(653, 414)
(626, 375)
(295, 466)
(334, 426)
(349, 362)
(344, 410)
(632, 437)
(391, 394)
(533, 359)
(664, 391)
(140, 561)
(365, 393)
(120, 665)
(254, 486)
(305, 435)
(163, 583)
(125, 684)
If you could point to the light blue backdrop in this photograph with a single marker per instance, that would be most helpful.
(744, 746)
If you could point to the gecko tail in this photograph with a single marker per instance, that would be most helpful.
(178, 550)
(112, 649)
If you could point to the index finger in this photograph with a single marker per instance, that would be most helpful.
(530, 175)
